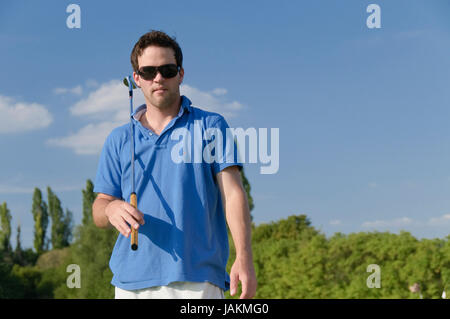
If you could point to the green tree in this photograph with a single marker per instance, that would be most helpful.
(67, 228)
(350, 255)
(52, 266)
(5, 229)
(294, 227)
(91, 250)
(445, 266)
(40, 216)
(10, 286)
(284, 255)
(88, 199)
(18, 252)
(425, 267)
(293, 260)
(61, 230)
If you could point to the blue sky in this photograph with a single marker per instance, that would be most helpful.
(362, 113)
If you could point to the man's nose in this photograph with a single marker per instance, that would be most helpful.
(158, 77)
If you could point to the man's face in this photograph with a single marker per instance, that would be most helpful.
(159, 92)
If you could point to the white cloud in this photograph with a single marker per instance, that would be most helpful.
(108, 100)
(443, 220)
(91, 83)
(432, 224)
(88, 140)
(108, 106)
(219, 91)
(77, 90)
(211, 101)
(335, 222)
(20, 116)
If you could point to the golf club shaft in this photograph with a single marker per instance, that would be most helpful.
(133, 197)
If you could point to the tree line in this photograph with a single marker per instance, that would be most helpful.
(292, 259)
(42, 212)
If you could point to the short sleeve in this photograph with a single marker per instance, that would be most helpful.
(108, 177)
(226, 153)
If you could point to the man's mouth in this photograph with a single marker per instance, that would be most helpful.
(159, 90)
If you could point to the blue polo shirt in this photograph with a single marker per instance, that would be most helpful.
(184, 237)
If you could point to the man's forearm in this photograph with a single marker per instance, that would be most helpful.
(238, 219)
(98, 212)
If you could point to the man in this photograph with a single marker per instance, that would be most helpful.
(183, 242)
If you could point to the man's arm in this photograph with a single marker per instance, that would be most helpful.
(238, 218)
(109, 211)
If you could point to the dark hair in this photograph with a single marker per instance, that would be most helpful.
(156, 38)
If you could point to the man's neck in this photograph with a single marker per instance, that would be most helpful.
(156, 119)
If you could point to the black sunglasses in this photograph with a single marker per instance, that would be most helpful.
(167, 71)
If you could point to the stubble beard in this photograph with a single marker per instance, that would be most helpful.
(166, 101)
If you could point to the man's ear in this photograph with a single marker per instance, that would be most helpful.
(181, 74)
(136, 79)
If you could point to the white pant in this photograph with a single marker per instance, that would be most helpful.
(174, 290)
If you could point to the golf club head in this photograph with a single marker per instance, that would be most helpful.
(125, 82)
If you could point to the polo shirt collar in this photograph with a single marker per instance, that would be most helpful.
(185, 106)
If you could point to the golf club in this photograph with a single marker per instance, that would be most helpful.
(133, 198)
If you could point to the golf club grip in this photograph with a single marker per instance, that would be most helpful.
(134, 232)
